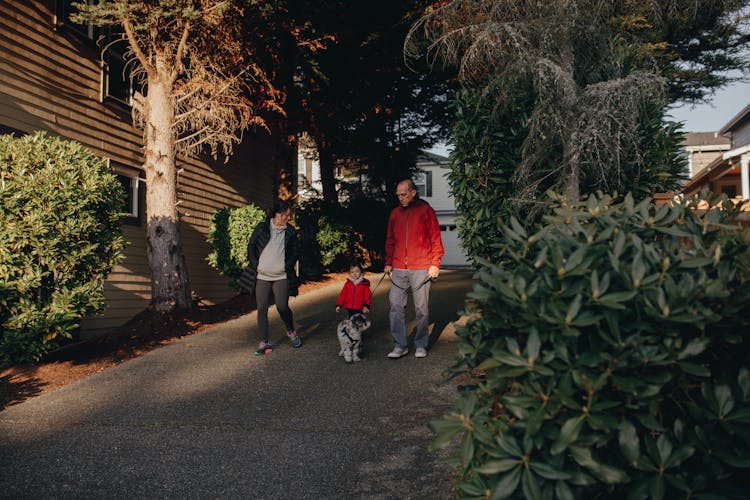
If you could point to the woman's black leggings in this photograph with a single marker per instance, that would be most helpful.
(280, 291)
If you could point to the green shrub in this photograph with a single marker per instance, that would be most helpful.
(332, 234)
(59, 238)
(229, 233)
(487, 147)
(333, 241)
(610, 356)
(490, 142)
(306, 219)
(369, 218)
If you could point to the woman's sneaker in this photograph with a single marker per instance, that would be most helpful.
(264, 348)
(294, 339)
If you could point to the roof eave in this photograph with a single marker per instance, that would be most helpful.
(736, 119)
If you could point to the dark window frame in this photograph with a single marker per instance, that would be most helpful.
(118, 84)
(135, 197)
(424, 189)
(63, 10)
(117, 75)
(728, 189)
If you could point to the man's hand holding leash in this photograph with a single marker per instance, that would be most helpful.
(433, 272)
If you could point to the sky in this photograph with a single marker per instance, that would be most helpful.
(709, 117)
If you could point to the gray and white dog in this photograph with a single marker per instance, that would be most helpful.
(350, 332)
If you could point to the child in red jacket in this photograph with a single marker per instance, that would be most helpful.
(355, 296)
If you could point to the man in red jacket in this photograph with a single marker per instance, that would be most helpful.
(413, 249)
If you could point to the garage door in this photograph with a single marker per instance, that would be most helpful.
(454, 255)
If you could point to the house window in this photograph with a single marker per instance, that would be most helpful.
(423, 183)
(730, 190)
(65, 9)
(118, 78)
(133, 189)
(118, 82)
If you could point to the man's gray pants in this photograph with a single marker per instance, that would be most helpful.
(401, 281)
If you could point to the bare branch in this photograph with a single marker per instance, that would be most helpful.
(135, 47)
(180, 52)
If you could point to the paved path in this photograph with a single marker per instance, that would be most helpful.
(202, 418)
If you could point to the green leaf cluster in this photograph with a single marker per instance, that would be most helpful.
(489, 186)
(333, 234)
(487, 141)
(60, 236)
(332, 239)
(610, 356)
(228, 234)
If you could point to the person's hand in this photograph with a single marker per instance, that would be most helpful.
(338, 309)
(433, 272)
(388, 269)
(365, 309)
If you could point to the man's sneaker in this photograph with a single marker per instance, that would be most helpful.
(264, 348)
(421, 352)
(398, 352)
(294, 339)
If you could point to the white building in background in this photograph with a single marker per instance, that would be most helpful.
(729, 171)
(702, 148)
(308, 168)
(432, 185)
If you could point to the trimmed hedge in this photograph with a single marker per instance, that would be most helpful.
(610, 356)
(60, 236)
(332, 234)
(229, 233)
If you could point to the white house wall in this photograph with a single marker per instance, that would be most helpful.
(443, 204)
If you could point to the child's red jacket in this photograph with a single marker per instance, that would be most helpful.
(355, 296)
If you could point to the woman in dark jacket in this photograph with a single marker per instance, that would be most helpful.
(272, 254)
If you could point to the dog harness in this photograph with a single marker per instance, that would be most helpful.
(354, 342)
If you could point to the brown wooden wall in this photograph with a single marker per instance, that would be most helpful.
(50, 79)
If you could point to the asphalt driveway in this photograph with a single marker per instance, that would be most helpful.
(204, 418)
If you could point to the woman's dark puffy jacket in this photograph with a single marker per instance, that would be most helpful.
(258, 241)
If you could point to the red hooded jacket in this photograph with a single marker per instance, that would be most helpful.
(413, 237)
(355, 296)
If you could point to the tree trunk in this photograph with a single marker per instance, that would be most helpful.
(327, 178)
(572, 176)
(170, 287)
(571, 156)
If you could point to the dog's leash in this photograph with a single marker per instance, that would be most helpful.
(372, 292)
(376, 286)
(420, 286)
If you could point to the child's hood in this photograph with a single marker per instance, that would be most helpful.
(361, 280)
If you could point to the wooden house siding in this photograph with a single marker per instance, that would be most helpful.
(51, 79)
(701, 159)
(741, 135)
